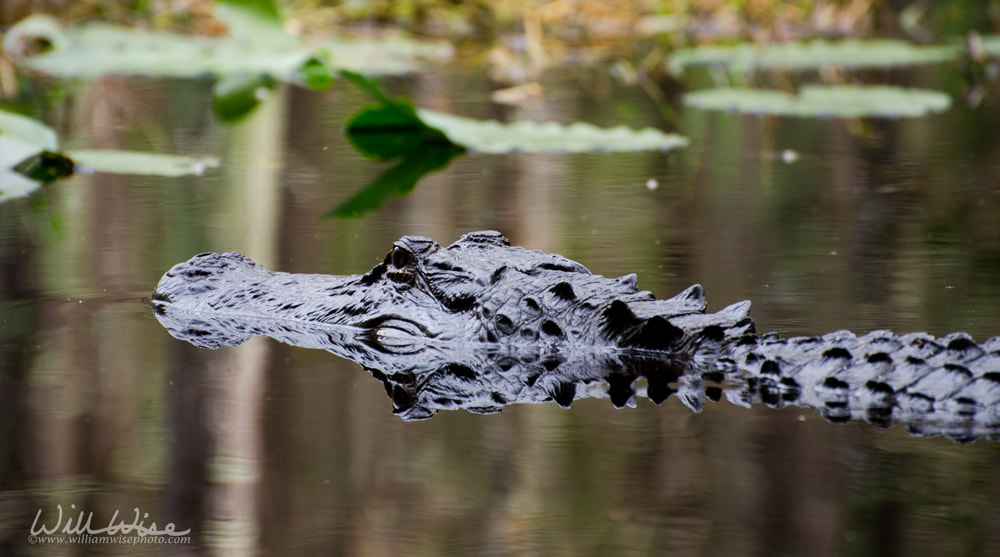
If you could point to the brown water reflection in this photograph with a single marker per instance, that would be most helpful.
(267, 448)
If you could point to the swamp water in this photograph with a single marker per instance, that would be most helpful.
(824, 224)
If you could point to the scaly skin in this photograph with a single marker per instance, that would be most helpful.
(481, 324)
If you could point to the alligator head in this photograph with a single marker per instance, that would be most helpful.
(479, 289)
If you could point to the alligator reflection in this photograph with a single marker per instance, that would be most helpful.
(481, 324)
(423, 377)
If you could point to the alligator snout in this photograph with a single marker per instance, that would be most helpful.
(203, 275)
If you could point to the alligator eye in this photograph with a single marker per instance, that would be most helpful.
(400, 257)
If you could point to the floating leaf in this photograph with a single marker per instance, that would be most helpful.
(843, 101)
(398, 124)
(34, 35)
(20, 139)
(13, 151)
(134, 162)
(425, 141)
(811, 55)
(13, 185)
(259, 46)
(490, 136)
(96, 49)
(27, 130)
(28, 159)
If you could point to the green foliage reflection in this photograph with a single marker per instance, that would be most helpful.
(398, 180)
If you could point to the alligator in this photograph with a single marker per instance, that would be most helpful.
(481, 324)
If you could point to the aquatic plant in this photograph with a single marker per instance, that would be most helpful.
(30, 157)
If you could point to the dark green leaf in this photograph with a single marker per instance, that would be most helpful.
(387, 144)
(383, 133)
(391, 128)
(316, 73)
(46, 166)
(235, 96)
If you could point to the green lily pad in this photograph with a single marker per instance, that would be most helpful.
(811, 55)
(14, 151)
(258, 45)
(93, 50)
(14, 185)
(490, 136)
(257, 52)
(136, 162)
(29, 158)
(27, 130)
(842, 101)
(425, 141)
(393, 119)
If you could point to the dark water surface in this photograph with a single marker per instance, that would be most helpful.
(267, 448)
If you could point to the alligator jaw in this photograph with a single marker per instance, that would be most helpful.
(196, 296)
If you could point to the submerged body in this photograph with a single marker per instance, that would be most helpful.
(480, 324)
